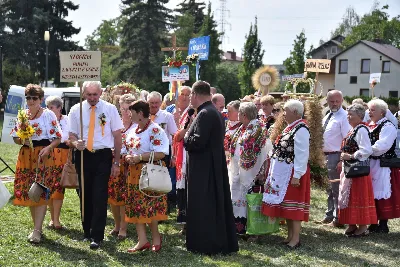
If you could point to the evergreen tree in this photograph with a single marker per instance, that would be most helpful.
(195, 9)
(143, 35)
(208, 70)
(253, 59)
(27, 20)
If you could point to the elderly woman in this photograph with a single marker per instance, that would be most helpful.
(248, 150)
(37, 161)
(385, 180)
(356, 196)
(55, 104)
(117, 185)
(232, 126)
(287, 189)
(141, 208)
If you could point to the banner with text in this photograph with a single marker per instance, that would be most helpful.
(80, 66)
(293, 76)
(375, 77)
(170, 74)
(200, 46)
(317, 65)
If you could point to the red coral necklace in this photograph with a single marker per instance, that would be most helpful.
(124, 130)
(137, 131)
(34, 117)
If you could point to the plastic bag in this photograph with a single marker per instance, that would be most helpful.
(258, 223)
(4, 195)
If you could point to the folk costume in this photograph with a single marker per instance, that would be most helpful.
(46, 129)
(356, 196)
(141, 208)
(289, 160)
(248, 150)
(210, 227)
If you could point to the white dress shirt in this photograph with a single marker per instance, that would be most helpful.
(166, 121)
(112, 118)
(301, 151)
(381, 175)
(337, 128)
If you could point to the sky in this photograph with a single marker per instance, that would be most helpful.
(278, 21)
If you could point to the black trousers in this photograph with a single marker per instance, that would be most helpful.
(96, 170)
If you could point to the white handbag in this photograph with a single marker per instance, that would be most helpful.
(154, 178)
(4, 195)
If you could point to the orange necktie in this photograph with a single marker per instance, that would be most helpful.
(91, 128)
(152, 117)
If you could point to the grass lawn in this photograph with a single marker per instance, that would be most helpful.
(320, 246)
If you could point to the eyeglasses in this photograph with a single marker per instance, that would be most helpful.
(275, 110)
(34, 98)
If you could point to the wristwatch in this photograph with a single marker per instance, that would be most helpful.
(117, 163)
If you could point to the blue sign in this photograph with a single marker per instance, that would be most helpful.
(200, 46)
(13, 104)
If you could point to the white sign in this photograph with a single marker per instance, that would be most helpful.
(375, 76)
(293, 76)
(80, 66)
(317, 65)
(265, 79)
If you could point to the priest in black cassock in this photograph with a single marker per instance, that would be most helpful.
(210, 226)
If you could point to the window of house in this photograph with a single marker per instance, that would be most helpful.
(364, 92)
(385, 66)
(394, 94)
(343, 66)
(365, 64)
(334, 50)
(353, 79)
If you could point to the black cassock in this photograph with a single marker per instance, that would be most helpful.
(210, 226)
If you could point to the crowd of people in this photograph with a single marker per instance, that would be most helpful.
(215, 156)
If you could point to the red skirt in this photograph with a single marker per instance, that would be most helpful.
(390, 208)
(361, 207)
(296, 203)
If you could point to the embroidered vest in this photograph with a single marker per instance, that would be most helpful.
(268, 122)
(374, 135)
(284, 148)
(349, 143)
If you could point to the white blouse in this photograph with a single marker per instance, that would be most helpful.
(301, 151)
(364, 144)
(45, 127)
(124, 133)
(64, 128)
(152, 139)
(386, 138)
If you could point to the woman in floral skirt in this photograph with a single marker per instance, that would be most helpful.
(35, 157)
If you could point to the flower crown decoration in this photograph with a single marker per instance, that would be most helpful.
(192, 59)
(177, 62)
(126, 88)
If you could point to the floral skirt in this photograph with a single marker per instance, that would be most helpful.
(60, 158)
(140, 208)
(361, 207)
(117, 186)
(25, 174)
(390, 208)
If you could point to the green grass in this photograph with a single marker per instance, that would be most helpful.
(321, 246)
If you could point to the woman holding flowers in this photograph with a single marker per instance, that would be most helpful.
(38, 131)
(143, 209)
(117, 185)
(55, 104)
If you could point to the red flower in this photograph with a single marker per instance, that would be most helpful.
(157, 142)
(138, 208)
(18, 194)
(110, 190)
(54, 123)
(156, 130)
(58, 134)
(57, 184)
(35, 124)
(151, 138)
(52, 131)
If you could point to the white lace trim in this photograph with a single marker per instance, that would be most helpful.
(278, 177)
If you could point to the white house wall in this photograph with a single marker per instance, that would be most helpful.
(389, 81)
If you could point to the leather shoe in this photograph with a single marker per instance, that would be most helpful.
(293, 247)
(157, 248)
(95, 244)
(144, 247)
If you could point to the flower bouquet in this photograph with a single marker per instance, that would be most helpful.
(373, 83)
(177, 62)
(192, 59)
(23, 129)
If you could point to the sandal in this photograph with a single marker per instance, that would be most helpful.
(365, 233)
(35, 237)
(114, 232)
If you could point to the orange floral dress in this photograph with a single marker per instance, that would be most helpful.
(28, 164)
(140, 208)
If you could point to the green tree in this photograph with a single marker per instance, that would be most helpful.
(349, 21)
(376, 25)
(195, 9)
(253, 59)
(295, 62)
(228, 82)
(26, 21)
(208, 67)
(142, 36)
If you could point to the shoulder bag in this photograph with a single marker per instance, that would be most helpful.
(69, 177)
(356, 168)
(37, 188)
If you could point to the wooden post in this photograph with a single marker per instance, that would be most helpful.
(82, 192)
(315, 84)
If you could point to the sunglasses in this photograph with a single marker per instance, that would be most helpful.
(275, 110)
(34, 98)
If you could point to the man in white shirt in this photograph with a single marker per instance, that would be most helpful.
(336, 127)
(102, 127)
(167, 122)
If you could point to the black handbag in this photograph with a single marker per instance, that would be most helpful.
(391, 163)
(356, 168)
